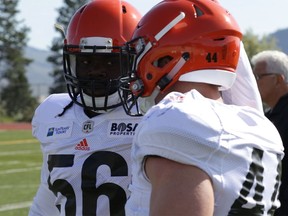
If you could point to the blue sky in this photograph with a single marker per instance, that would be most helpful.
(262, 16)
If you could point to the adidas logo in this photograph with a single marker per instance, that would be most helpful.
(83, 145)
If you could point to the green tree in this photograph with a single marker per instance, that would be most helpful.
(65, 14)
(254, 43)
(15, 94)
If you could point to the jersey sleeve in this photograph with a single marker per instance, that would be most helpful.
(43, 202)
(46, 115)
(175, 136)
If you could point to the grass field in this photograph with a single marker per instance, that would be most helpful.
(20, 161)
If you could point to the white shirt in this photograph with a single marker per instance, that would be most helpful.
(86, 162)
(227, 142)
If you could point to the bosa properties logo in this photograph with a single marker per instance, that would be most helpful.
(123, 128)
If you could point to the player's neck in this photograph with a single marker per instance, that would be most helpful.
(207, 90)
(91, 113)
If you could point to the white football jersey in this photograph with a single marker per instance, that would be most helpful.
(86, 161)
(236, 146)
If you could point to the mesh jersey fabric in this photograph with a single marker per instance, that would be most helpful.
(86, 161)
(225, 141)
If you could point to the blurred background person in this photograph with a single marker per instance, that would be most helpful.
(270, 68)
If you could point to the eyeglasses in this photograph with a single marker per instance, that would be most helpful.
(260, 76)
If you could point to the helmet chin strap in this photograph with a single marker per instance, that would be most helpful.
(100, 101)
(165, 80)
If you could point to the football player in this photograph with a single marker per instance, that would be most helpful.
(85, 134)
(193, 154)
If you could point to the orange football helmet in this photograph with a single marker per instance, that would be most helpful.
(93, 53)
(191, 37)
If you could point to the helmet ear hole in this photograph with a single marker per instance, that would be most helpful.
(149, 76)
(161, 62)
